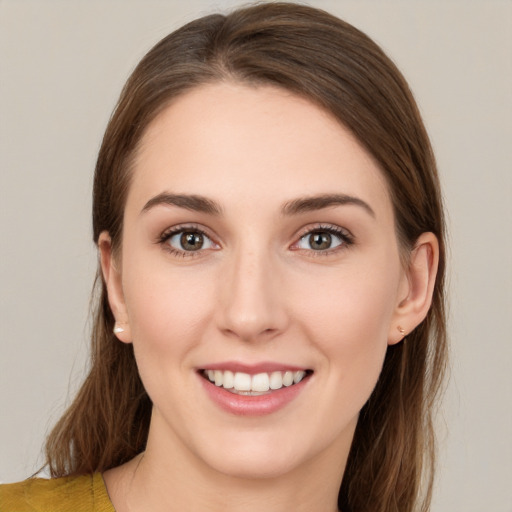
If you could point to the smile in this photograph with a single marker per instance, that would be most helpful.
(253, 385)
(253, 390)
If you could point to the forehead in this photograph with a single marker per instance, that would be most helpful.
(233, 141)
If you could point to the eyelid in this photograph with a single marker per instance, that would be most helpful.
(172, 230)
(168, 233)
(347, 238)
(344, 234)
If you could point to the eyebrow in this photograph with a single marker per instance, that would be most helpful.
(189, 202)
(308, 204)
(301, 205)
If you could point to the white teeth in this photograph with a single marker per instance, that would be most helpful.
(298, 376)
(288, 378)
(228, 380)
(259, 383)
(242, 381)
(276, 380)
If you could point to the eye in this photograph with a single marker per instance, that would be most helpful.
(319, 241)
(187, 240)
(323, 239)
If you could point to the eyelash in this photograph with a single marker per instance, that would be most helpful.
(346, 238)
(164, 238)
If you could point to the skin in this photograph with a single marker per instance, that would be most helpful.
(257, 292)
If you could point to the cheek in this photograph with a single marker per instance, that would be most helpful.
(168, 309)
(348, 320)
(168, 317)
(352, 308)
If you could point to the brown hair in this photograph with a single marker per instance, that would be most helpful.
(315, 55)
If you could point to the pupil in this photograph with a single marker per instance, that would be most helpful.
(191, 241)
(320, 241)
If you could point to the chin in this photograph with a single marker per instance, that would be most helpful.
(274, 454)
(256, 464)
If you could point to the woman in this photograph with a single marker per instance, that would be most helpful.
(270, 329)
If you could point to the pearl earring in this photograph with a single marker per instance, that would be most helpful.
(118, 329)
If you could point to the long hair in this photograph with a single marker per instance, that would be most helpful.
(332, 64)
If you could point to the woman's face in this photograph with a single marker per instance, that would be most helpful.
(258, 246)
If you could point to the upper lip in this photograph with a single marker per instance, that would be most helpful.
(253, 369)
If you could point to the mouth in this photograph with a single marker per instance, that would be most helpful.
(246, 384)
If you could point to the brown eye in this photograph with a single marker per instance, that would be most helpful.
(186, 241)
(191, 241)
(320, 241)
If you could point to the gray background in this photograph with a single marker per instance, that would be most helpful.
(62, 66)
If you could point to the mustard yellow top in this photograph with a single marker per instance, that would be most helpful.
(85, 493)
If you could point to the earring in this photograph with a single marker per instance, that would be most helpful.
(118, 329)
(401, 330)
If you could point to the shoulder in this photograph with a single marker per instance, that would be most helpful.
(85, 493)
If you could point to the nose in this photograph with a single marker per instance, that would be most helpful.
(251, 303)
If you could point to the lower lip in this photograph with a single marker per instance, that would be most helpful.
(246, 405)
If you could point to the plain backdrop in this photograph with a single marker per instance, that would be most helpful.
(63, 64)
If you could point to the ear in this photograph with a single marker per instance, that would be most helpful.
(416, 291)
(112, 278)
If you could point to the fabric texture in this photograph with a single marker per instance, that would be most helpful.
(85, 493)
